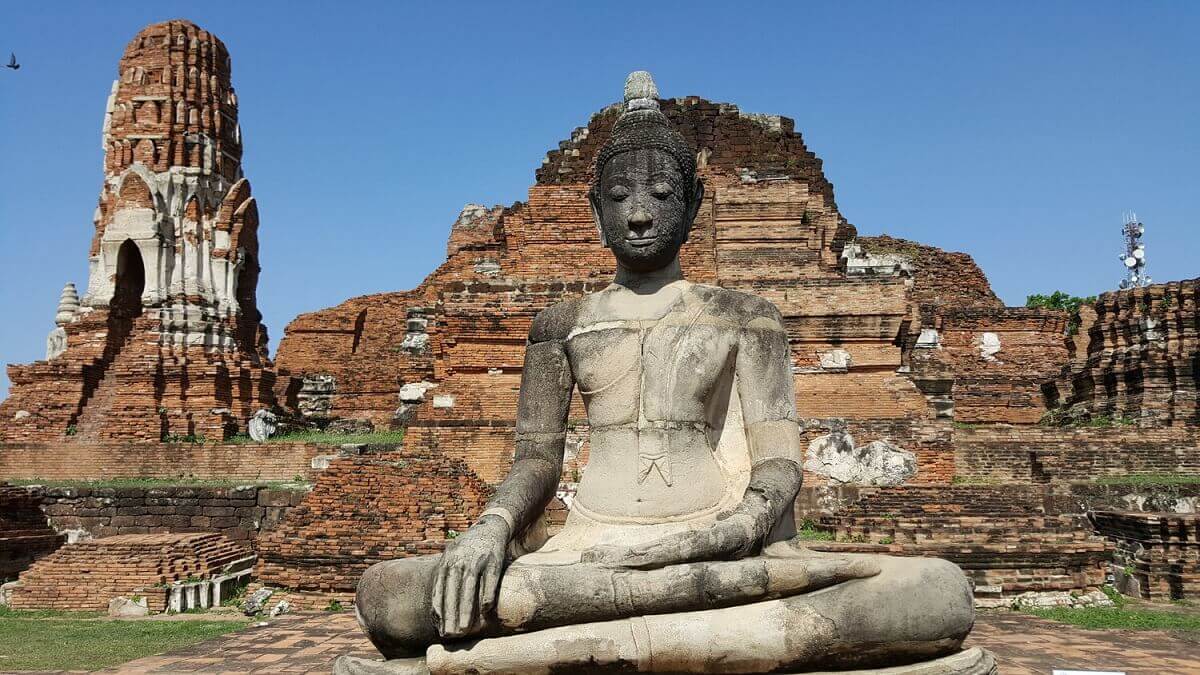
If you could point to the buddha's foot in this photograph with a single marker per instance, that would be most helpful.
(353, 665)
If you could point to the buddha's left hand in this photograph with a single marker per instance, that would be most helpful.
(741, 532)
(734, 537)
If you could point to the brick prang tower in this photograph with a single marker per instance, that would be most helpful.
(167, 341)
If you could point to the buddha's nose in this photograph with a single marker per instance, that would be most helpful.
(640, 222)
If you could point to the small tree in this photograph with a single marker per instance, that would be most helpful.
(1064, 301)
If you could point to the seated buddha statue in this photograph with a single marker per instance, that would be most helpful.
(679, 553)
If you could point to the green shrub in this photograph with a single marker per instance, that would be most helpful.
(1062, 301)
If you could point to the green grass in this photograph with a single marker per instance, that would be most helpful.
(151, 482)
(79, 641)
(1149, 479)
(808, 532)
(324, 437)
(1124, 615)
(1119, 618)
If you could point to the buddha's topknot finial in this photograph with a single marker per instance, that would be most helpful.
(640, 91)
(642, 125)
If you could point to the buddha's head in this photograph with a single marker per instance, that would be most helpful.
(645, 193)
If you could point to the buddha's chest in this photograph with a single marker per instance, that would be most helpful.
(671, 369)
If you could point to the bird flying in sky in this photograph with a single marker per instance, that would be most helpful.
(12, 62)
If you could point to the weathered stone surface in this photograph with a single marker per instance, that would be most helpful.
(1137, 357)
(257, 601)
(122, 607)
(1157, 555)
(835, 456)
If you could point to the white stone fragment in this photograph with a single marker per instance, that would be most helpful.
(262, 425)
(837, 359)
(989, 346)
(414, 392)
(929, 339)
(835, 456)
(128, 608)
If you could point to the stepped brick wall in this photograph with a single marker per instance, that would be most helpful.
(167, 340)
(368, 508)
(84, 576)
(240, 514)
(1055, 499)
(942, 278)
(1041, 454)
(1137, 356)
(1001, 536)
(25, 535)
(99, 461)
(1157, 554)
(1003, 385)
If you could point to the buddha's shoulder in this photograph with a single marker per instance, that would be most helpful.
(738, 306)
(556, 321)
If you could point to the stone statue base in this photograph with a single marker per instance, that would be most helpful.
(973, 661)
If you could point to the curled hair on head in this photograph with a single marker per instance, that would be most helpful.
(643, 126)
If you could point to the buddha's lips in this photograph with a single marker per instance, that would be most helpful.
(641, 243)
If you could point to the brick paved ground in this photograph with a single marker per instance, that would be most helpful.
(1024, 645)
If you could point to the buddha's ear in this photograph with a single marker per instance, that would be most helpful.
(594, 202)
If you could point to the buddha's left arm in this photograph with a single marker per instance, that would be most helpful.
(767, 392)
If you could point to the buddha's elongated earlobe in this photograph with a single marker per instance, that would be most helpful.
(594, 202)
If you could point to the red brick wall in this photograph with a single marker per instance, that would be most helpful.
(81, 461)
(368, 508)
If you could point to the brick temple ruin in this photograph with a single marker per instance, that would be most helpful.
(166, 340)
(1021, 422)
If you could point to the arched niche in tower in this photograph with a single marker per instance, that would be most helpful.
(247, 291)
(134, 194)
(191, 211)
(147, 113)
(130, 281)
(145, 152)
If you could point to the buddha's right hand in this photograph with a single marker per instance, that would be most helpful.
(468, 577)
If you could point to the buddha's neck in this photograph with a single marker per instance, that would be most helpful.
(648, 282)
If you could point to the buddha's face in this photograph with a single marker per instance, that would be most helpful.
(643, 210)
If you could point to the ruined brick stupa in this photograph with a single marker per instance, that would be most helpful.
(166, 341)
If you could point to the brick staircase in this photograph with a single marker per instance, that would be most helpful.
(1000, 535)
(98, 400)
(87, 574)
(96, 408)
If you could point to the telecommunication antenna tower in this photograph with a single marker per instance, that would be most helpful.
(1134, 257)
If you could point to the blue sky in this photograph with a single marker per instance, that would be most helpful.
(1018, 132)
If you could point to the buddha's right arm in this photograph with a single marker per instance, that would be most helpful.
(468, 574)
(542, 409)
